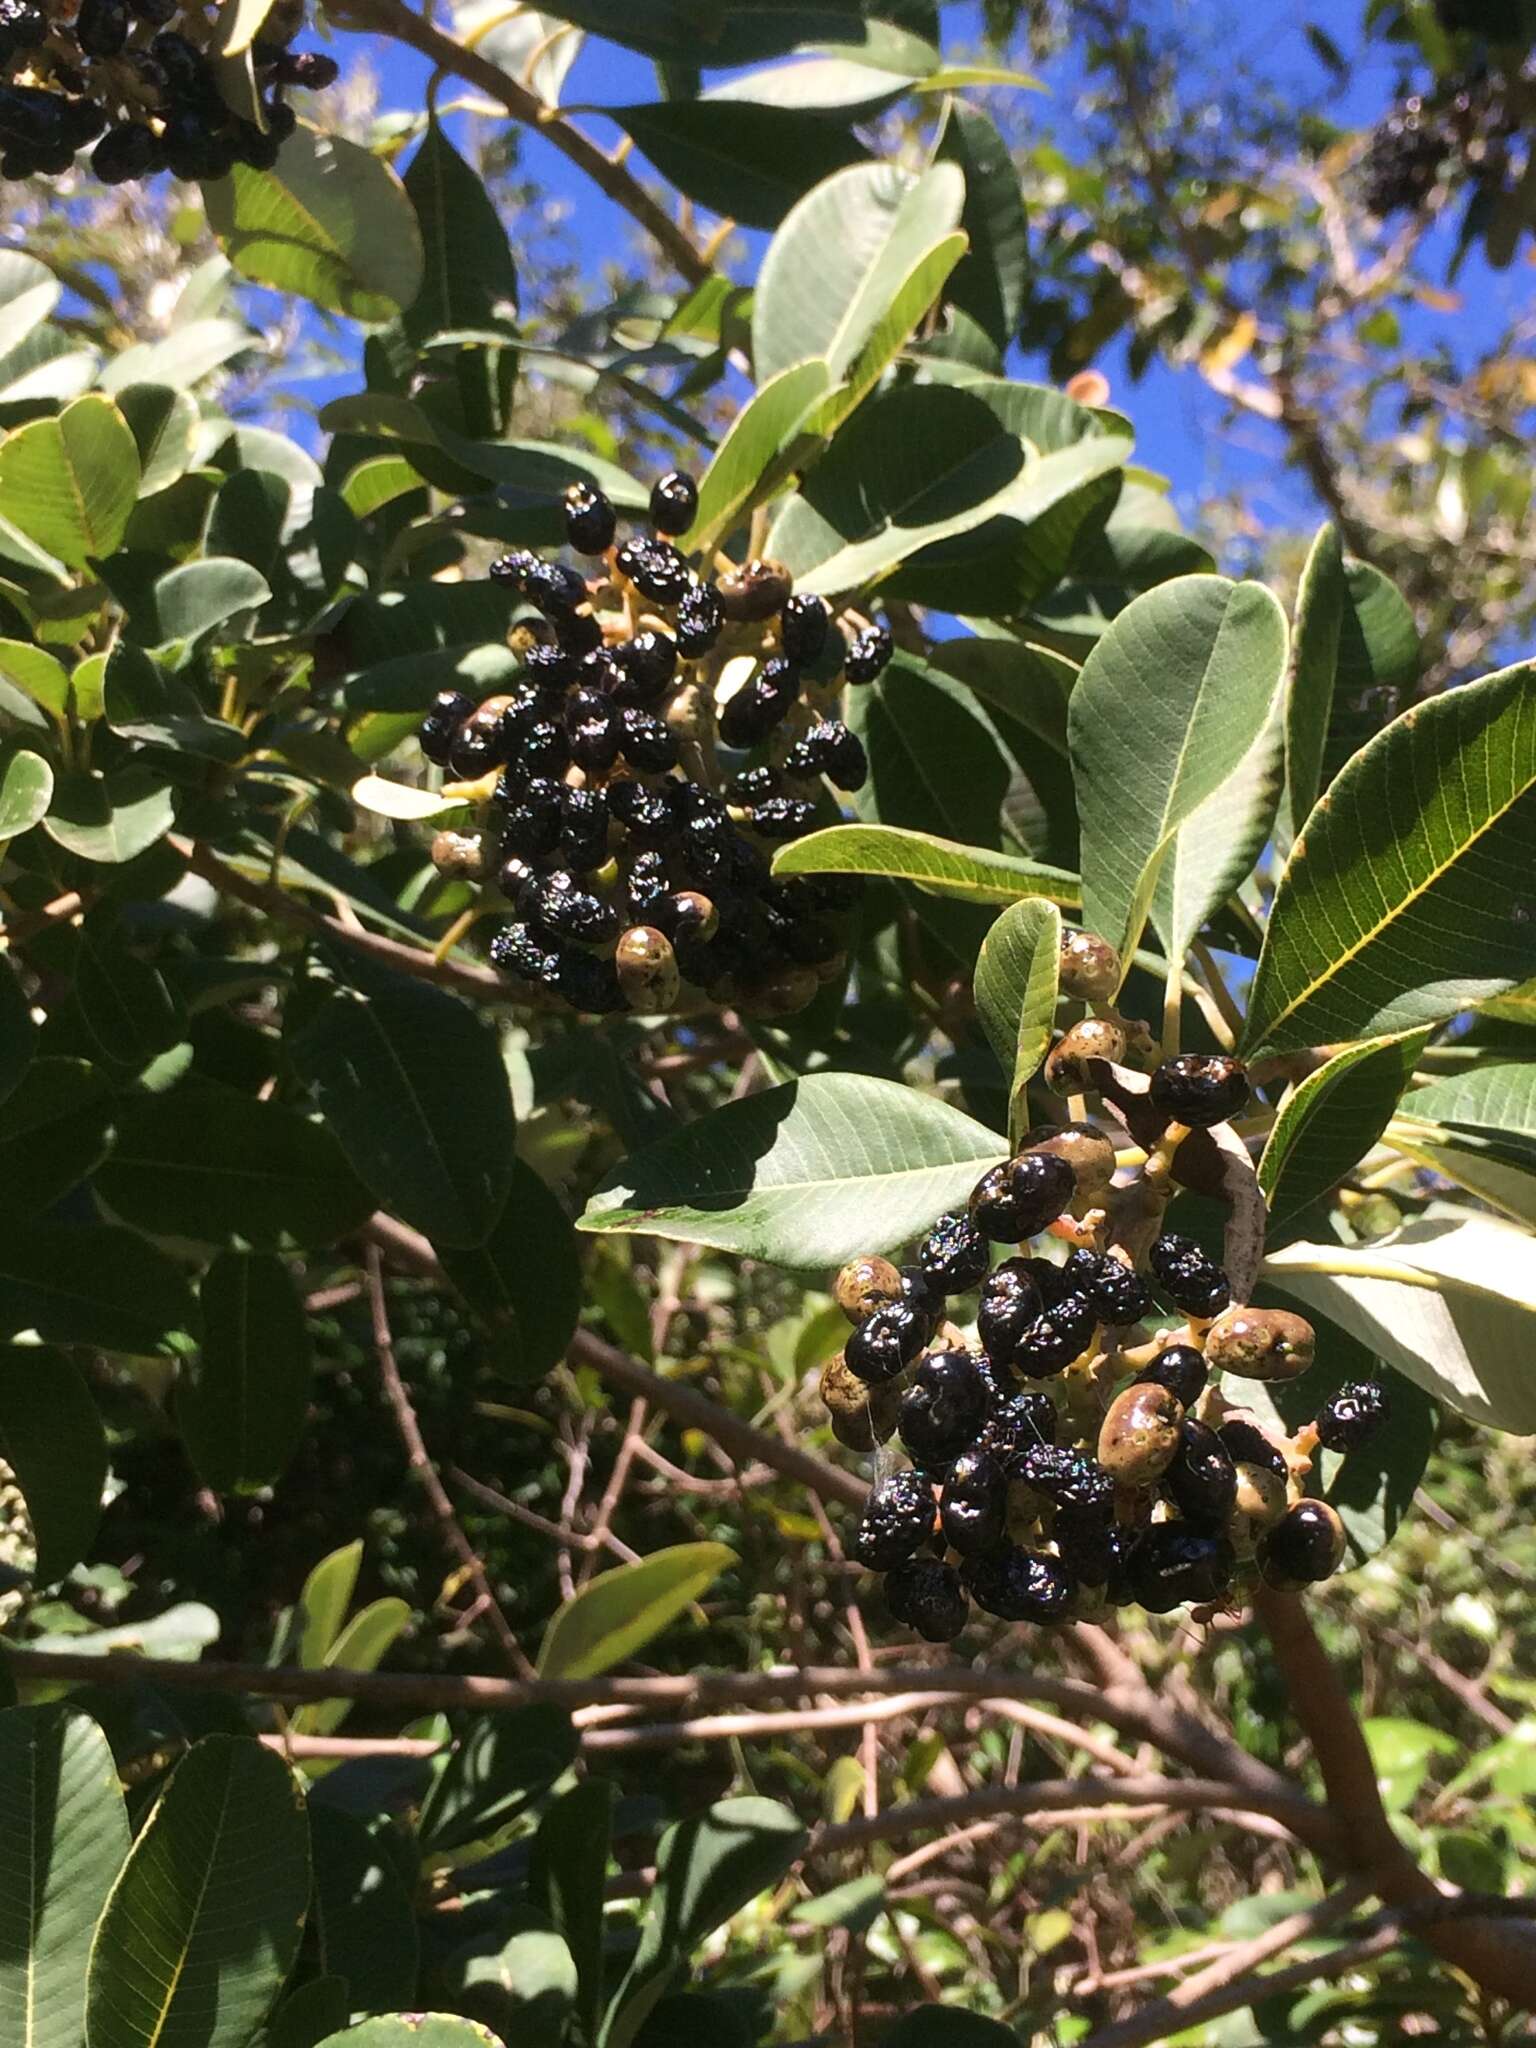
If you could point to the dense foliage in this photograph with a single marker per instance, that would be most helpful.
(572, 1046)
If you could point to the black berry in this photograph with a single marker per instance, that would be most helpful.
(1353, 1416)
(1200, 1089)
(1181, 1370)
(1304, 1547)
(886, 1343)
(803, 626)
(973, 1510)
(590, 520)
(870, 654)
(674, 502)
(943, 1410)
(1019, 1585)
(897, 1519)
(927, 1595)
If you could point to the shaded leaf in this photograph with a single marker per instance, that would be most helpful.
(1330, 1121)
(501, 1764)
(18, 1034)
(524, 1282)
(110, 818)
(747, 163)
(52, 1439)
(90, 1283)
(988, 288)
(412, 1084)
(241, 1407)
(365, 1922)
(53, 1132)
(570, 1866)
(469, 278)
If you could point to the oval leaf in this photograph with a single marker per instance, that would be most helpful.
(469, 280)
(1017, 975)
(399, 800)
(70, 482)
(415, 2030)
(1168, 703)
(1408, 895)
(332, 222)
(227, 1847)
(110, 818)
(806, 1175)
(624, 1609)
(758, 433)
(241, 1407)
(90, 1283)
(26, 790)
(18, 1034)
(65, 1833)
(413, 1086)
(524, 1282)
(834, 267)
(1450, 1301)
(1331, 1120)
(52, 1439)
(746, 163)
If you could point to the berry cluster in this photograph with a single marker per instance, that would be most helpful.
(135, 78)
(1062, 1460)
(637, 860)
(1469, 121)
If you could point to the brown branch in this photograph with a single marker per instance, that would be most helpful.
(392, 18)
(481, 983)
(1499, 1956)
(425, 1473)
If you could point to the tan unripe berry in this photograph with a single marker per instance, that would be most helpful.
(864, 1285)
(1090, 967)
(1261, 1343)
(1068, 1067)
(647, 969)
(1139, 1435)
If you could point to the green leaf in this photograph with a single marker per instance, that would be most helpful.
(361, 1645)
(1214, 850)
(37, 673)
(164, 424)
(194, 598)
(470, 279)
(63, 1837)
(946, 2026)
(53, 1132)
(110, 818)
(525, 1981)
(707, 1869)
(1407, 896)
(1450, 1301)
(241, 1407)
(1354, 632)
(748, 164)
(415, 2030)
(1168, 704)
(570, 1865)
(52, 1439)
(308, 2014)
(912, 300)
(90, 1283)
(332, 223)
(412, 1084)
(759, 432)
(622, 1610)
(142, 703)
(988, 289)
(806, 1175)
(816, 85)
(709, 32)
(210, 1164)
(399, 800)
(936, 761)
(1329, 1122)
(1479, 1130)
(70, 482)
(834, 267)
(365, 1921)
(183, 358)
(501, 1764)
(26, 790)
(524, 1282)
(1017, 973)
(324, 1600)
(972, 874)
(29, 291)
(18, 1034)
(226, 1848)
(128, 1013)
(914, 466)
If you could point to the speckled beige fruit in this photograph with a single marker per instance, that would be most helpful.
(647, 969)
(1261, 1343)
(864, 1285)
(708, 917)
(1090, 967)
(1261, 1501)
(463, 856)
(1140, 1434)
(1067, 1070)
(1086, 1149)
(757, 590)
(862, 1417)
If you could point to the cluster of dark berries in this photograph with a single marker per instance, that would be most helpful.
(1468, 121)
(639, 863)
(135, 78)
(1061, 1460)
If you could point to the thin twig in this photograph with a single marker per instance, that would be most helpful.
(425, 1472)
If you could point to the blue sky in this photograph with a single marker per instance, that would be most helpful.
(1180, 423)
